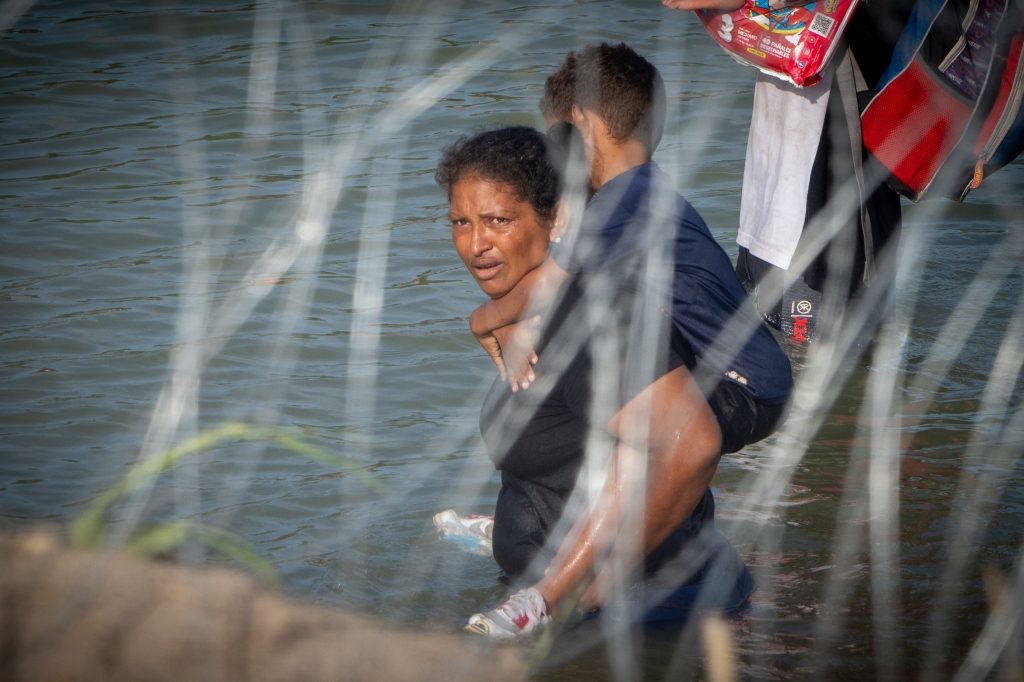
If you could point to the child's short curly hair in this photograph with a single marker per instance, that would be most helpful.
(516, 156)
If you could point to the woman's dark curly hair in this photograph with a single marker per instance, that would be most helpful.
(516, 156)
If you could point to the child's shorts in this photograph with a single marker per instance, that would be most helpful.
(743, 419)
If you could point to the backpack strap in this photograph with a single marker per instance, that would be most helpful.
(849, 81)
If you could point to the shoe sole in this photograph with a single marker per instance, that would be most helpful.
(477, 628)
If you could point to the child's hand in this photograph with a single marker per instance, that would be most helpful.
(516, 341)
(727, 5)
(493, 348)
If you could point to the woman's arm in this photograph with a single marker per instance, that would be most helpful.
(683, 445)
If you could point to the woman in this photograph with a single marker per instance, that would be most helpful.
(504, 210)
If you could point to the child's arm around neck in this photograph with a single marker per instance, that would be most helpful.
(533, 293)
(499, 325)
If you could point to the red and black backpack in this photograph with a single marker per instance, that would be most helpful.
(948, 110)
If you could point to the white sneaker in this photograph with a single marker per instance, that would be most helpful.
(472, 531)
(524, 612)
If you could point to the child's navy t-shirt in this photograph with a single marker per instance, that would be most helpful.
(628, 213)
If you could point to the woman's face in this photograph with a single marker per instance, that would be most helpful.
(499, 237)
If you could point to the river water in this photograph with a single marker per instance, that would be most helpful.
(151, 157)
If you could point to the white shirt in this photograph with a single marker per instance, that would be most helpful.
(785, 128)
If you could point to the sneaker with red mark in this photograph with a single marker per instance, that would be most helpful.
(524, 612)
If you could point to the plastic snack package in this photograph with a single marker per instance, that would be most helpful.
(793, 41)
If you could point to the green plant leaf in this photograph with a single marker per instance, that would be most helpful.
(166, 536)
(159, 539)
(86, 531)
(292, 443)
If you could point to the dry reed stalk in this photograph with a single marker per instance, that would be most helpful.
(719, 653)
